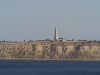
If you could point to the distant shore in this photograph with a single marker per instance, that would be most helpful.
(51, 59)
(56, 50)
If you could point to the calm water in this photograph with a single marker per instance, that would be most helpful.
(49, 67)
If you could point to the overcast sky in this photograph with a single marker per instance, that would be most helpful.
(36, 19)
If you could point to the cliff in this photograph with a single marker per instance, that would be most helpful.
(79, 50)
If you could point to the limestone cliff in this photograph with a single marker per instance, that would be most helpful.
(82, 50)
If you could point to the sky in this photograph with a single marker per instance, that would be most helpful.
(36, 19)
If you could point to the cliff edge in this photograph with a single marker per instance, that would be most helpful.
(50, 50)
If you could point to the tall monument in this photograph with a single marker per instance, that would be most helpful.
(56, 35)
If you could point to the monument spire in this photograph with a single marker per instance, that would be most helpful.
(56, 35)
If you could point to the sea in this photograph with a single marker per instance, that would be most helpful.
(49, 67)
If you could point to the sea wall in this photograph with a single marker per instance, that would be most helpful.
(50, 50)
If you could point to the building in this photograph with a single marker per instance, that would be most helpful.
(56, 35)
(56, 38)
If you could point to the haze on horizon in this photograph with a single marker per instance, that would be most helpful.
(36, 19)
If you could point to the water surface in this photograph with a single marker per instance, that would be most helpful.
(22, 67)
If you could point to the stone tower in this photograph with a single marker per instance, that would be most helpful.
(56, 35)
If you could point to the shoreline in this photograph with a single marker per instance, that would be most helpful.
(29, 59)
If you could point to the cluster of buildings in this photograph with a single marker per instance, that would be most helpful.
(56, 38)
(28, 45)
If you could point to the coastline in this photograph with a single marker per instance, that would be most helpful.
(29, 59)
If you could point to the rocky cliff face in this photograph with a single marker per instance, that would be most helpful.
(54, 50)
